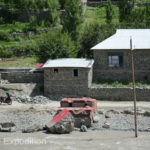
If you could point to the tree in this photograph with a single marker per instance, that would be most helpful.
(55, 44)
(92, 35)
(147, 15)
(109, 12)
(125, 10)
(73, 17)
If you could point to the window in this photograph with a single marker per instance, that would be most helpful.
(75, 72)
(115, 59)
(55, 70)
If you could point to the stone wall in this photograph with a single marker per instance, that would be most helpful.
(103, 72)
(64, 82)
(22, 76)
(121, 94)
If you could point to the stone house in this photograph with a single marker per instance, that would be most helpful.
(67, 76)
(112, 59)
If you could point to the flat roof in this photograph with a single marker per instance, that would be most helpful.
(69, 62)
(121, 40)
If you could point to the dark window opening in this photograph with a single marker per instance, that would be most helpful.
(115, 59)
(146, 78)
(75, 72)
(55, 70)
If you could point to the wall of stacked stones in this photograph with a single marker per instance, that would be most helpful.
(120, 94)
(22, 76)
(65, 83)
(101, 71)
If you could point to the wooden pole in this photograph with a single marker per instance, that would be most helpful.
(133, 86)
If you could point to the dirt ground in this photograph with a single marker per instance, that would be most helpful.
(91, 140)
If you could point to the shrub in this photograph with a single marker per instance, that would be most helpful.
(5, 53)
(55, 44)
(4, 36)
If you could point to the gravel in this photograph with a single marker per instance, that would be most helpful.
(27, 118)
(31, 100)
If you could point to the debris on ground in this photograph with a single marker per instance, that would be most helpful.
(33, 128)
(31, 100)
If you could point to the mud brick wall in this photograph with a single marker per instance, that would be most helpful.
(121, 94)
(64, 82)
(103, 72)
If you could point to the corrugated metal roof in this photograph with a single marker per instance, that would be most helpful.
(121, 40)
(69, 62)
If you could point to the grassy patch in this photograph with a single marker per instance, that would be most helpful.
(17, 62)
(118, 84)
(99, 14)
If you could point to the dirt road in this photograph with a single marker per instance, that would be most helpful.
(92, 140)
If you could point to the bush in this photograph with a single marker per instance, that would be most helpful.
(5, 53)
(55, 44)
(92, 35)
(4, 36)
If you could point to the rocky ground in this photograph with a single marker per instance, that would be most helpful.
(26, 114)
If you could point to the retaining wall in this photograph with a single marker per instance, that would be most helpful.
(22, 75)
(123, 94)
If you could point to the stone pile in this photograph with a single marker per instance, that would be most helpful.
(32, 100)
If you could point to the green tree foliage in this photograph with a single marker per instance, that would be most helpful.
(109, 12)
(9, 7)
(125, 10)
(92, 35)
(55, 44)
(73, 17)
(147, 15)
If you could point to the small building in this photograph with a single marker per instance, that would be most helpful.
(112, 56)
(67, 76)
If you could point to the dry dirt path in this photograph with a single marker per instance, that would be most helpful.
(92, 140)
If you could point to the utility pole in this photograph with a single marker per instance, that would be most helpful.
(133, 86)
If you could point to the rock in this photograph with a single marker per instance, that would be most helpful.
(100, 111)
(66, 125)
(106, 125)
(7, 127)
(33, 128)
(110, 112)
(7, 124)
(147, 113)
(31, 100)
(13, 129)
(83, 128)
(128, 112)
(0, 127)
(96, 119)
(107, 116)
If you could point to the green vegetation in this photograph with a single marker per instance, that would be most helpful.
(109, 12)
(17, 62)
(55, 45)
(118, 84)
(70, 34)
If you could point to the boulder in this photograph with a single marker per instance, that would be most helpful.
(106, 125)
(66, 125)
(7, 127)
(33, 128)
(147, 113)
(96, 119)
(7, 124)
(83, 128)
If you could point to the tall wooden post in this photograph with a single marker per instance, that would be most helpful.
(133, 86)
